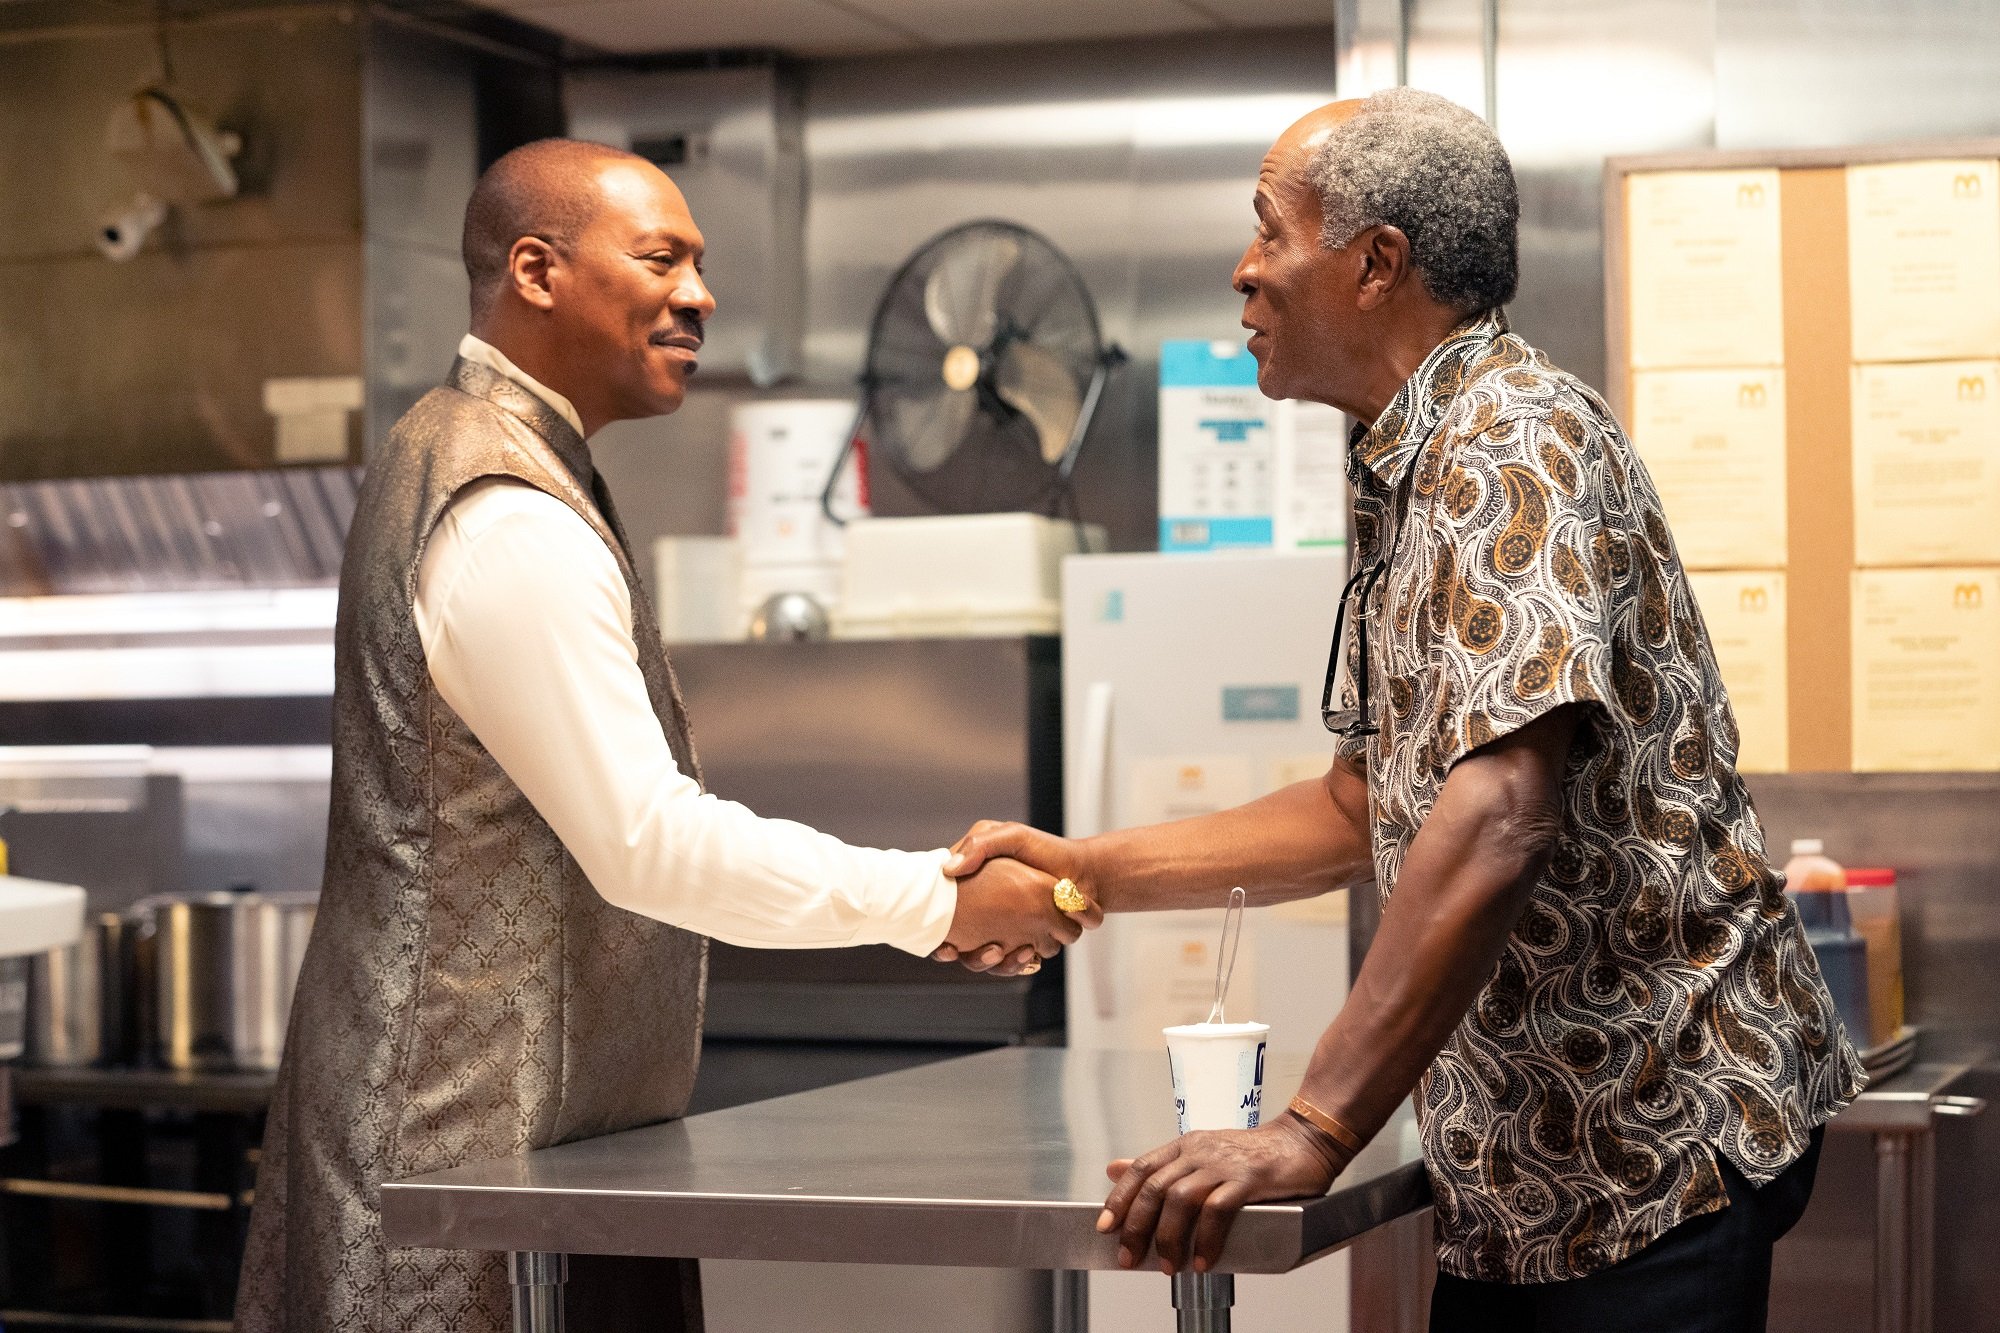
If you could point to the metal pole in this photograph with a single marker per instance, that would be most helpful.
(1892, 1221)
(1923, 1210)
(538, 1279)
(1072, 1301)
(1489, 58)
(1202, 1301)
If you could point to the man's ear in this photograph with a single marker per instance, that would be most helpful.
(1385, 265)
(529, 271)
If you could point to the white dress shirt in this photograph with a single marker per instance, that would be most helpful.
(526, 625)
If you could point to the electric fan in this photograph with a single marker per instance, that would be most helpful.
(984, 369)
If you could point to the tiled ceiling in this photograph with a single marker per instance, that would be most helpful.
(862, 27)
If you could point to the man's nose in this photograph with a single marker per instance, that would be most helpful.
(1244, 279)
(692, 295)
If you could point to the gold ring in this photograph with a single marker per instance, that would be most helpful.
(1069, 898)
(1029, 969)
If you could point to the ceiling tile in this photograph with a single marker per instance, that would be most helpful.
(968, 22)
(801, 27)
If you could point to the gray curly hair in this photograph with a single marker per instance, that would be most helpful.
(1428, 167)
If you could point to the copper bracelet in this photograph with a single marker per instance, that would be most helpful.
(1327, 1125)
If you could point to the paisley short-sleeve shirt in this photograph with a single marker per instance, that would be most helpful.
(1657, 1003)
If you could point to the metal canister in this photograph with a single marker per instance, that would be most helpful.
(225, 965)
(66, 1001)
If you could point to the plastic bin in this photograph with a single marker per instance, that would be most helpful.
(956, 576)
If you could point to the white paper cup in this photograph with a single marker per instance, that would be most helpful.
(1218, 1071)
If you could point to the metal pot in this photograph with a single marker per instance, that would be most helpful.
(225, 965)
(66, 1000)
(81, 1008)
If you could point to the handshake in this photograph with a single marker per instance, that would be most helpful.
(1021, 898)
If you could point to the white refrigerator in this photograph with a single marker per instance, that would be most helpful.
(1192, 683)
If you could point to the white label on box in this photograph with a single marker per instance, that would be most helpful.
(1216, 449)
(1237, 470)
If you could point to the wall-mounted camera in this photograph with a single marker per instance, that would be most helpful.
(175, 156)
(122, 232)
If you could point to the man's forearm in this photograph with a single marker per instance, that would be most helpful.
(1461, 890)
(1302, 840)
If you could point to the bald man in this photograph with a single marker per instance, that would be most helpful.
(521, 864)
(1621, 1049)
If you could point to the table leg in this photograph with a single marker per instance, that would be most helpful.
(1892, 1222)
(1202, 1301)
(1072, 1313)
(1923, 1222)
(538, 1279)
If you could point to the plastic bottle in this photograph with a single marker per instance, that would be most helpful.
(1817, 886)
(1874, 906)
(1811, 869)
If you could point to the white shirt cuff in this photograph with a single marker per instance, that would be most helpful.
(918, 917)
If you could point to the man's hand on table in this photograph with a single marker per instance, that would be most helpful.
(1007, 921)
(1181, 1199)
(1008, 849)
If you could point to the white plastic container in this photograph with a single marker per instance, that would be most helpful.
(779, 456)
(960, 575)
(1218, 1071)
(698, 588)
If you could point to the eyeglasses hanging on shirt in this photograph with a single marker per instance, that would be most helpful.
(1356, 722)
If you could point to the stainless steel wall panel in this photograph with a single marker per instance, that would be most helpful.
(1444, 50)
(417, 312)
(1816, 73)
(737, 135)
(1373, 54)
(882, 743)
(1578, 80)
(420, 159)
(420, 133)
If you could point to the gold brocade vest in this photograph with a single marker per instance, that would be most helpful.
(466, 993)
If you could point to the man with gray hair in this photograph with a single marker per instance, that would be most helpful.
(1587, 971)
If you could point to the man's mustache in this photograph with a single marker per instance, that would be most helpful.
(686, 329)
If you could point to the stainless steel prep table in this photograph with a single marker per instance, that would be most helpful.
(993, 1161)
(1901, 1112)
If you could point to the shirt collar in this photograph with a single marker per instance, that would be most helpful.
(482, 353)
(1387, 447)
(510, 395)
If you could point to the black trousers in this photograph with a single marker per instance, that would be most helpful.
(1708, 1275)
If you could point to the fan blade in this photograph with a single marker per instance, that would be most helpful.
(1035, 383)
(929, 429)
(963, 291)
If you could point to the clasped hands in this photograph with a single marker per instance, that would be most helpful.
(1007, 921)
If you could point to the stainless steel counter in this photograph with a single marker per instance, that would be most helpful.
(1901, 1113)
(995, 1160)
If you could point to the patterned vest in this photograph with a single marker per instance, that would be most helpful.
(466, 993)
